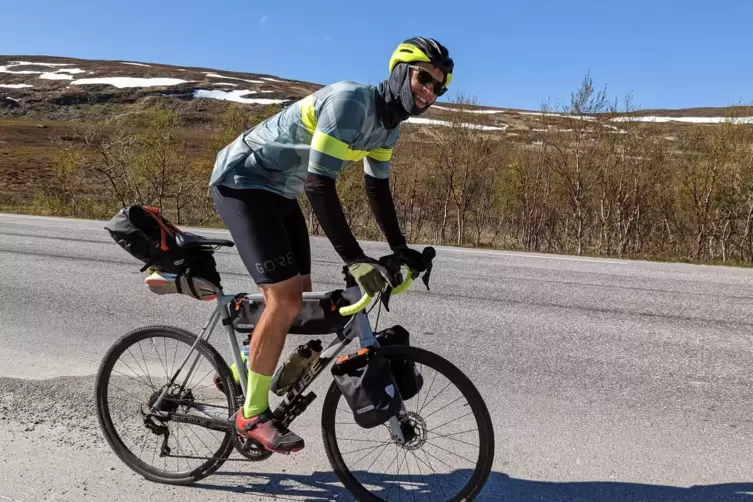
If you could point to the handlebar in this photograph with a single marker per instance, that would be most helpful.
(429, 253)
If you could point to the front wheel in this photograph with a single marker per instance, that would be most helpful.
(450, 450)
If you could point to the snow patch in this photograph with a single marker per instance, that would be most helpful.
(235, 96)
(12, 99)
(73, 71)
(56, 76)
(562, 115)
(420, 120)
(483, 110)
(28, 63)
(4, 69)
(268, 79)
(16, 86)
(121, 82)
(43, 74)
(215, 75)
(224, 83)
(692, 120)
(136, 64)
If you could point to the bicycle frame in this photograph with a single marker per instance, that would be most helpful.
(294, 403)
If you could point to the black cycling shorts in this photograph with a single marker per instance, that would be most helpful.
(269, 231)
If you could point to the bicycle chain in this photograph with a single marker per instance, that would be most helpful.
(191, 457)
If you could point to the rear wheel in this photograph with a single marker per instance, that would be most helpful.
(134, 373)
(447, 423)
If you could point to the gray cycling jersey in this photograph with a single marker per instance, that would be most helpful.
(321, 133)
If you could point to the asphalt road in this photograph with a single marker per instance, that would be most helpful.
(606, 379)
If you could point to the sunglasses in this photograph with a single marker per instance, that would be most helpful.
(425, 77)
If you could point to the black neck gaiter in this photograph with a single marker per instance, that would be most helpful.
(396, 103)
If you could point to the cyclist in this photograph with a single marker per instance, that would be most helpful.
(257, 178)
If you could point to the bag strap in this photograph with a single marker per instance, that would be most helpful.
(165, 226)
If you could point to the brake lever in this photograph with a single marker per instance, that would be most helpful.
(429, 254)
(385, 296)
(425, 277)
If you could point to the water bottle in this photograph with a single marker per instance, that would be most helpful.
(291, 370)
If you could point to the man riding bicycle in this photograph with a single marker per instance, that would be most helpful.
(257, 178)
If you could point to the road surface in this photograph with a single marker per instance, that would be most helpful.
(606, 379)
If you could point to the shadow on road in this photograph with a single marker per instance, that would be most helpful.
(322, 486)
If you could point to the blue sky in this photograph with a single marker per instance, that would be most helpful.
(668, 54)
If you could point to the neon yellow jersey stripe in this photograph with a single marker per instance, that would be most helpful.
(381, 154)
(308, 115)
(324, 143)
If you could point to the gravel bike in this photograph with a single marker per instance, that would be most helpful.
(148, 393)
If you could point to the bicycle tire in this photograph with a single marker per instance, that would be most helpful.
(106, 424)
(459, 379)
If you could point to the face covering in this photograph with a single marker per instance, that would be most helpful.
(398, 97)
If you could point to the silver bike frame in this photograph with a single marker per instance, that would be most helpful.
(358, 326)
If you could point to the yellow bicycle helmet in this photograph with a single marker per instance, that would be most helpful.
(419, 49)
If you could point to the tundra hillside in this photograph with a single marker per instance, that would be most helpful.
(593, 176)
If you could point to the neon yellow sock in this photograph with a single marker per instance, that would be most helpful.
(257, 398)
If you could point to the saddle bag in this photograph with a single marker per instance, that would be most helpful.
(144, 233)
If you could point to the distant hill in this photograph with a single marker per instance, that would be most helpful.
(56, 88)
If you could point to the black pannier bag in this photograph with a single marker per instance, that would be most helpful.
(366, 382)
(317, 317)
(147, 235)
(409, 380)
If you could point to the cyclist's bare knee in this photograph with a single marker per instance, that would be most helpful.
(284, 299)
(306, 282)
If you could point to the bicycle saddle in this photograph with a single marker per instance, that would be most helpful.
(187, 240)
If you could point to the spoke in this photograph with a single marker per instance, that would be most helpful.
(427, 392)
(448, 451)
(436, 474)
(455, 439)
(450, 421)
(175, 438)
(136, 400)
(156, 351)
(441, 408)
(143, 445)
(148, 384)
(453, 434)
(427, 483)
(175, 357)
(436, 395)
(148, 377)
(133, 378)
(164, 344)
(382, 476)
(384, 447)
(146, 364)
(370, 448)
(196, 371)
